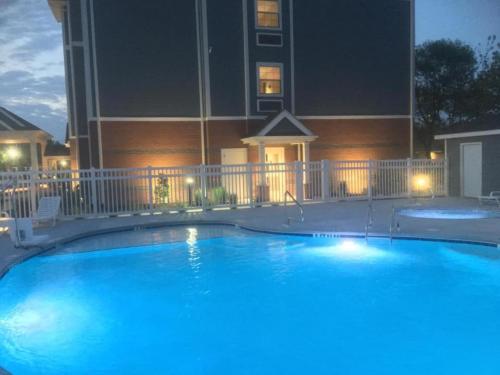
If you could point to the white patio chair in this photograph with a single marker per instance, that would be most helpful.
(48, 210)
(494, 197)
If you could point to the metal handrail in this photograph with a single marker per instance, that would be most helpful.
(301, 208)
(394, 225)
(369, 219)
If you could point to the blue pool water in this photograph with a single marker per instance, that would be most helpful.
(223, 301)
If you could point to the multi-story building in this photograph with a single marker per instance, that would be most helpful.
(170, 82)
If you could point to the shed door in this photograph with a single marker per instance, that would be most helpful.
(472, 169)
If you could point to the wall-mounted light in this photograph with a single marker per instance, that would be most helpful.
(13, 153)
(421, 182)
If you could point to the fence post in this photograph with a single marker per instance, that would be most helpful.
(409, 177)
(249, 178)
(325, 180)
(299, 181)
(446, 181)
(93, 187)
(32, 185)
(150, 188)
(370, 177)
(203, 182)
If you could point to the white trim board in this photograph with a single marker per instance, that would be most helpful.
(363, 117)
(278, 140)
(480, 133)
(177, 119)
(150, 119)
(230, 118)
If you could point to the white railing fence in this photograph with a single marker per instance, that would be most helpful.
(90, 193)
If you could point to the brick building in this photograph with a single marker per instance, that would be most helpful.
(168, 82)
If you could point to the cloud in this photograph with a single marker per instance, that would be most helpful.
(32, 64)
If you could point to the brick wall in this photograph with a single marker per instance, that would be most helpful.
(360, 139)
(157, 144)
(139, 144)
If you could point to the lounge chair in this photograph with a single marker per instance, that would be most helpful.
(494, 197)
(48, 210)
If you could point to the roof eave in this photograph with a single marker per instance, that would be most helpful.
(57, 7)
(477, 133)
(278, 139)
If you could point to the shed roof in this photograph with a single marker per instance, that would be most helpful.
(487, 125)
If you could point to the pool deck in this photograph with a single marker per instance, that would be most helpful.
(337, 217)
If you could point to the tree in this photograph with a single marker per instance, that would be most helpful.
(488, 81)
(445, 86)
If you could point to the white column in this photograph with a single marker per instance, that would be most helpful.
(306, 159)
(34, 155)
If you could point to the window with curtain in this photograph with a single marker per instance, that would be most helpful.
(270, 80)
(268, 14)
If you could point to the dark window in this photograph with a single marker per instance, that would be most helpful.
(274, 40)
(269, 105)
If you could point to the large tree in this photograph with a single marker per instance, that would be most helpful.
(445, 86)
(488, 84)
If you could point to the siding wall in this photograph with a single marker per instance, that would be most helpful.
(352, 57)
(491, 163)
(147, 58)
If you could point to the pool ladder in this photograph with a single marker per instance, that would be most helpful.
(394, 225)
(369, 220)
(301, 208)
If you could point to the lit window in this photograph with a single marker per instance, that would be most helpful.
(268, 13)
(270, 81)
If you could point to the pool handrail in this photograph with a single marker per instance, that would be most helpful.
(369, 219)
(394, 224)
(301, 208)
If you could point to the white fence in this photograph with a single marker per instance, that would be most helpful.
(88, 193)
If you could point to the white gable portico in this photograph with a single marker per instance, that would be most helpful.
(284, 128)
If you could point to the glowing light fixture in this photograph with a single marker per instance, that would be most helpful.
(13, 153)
(422, 182)
(63, 163)
(190, 180)
(349, 245)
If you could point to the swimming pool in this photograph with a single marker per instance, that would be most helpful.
(450, 214)
(217, 300)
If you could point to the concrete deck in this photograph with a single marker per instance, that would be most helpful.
(336, 217)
